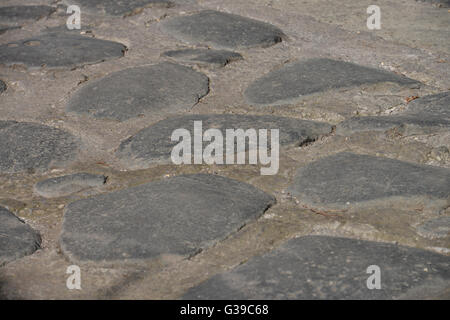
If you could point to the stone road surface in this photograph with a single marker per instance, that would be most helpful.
(86, 176)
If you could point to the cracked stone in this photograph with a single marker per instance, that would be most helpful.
(30, 146)
(345, 179)
(60, 50)
(175, 217)
(153, 144)
(115, 7)
(423, 116)
(321, 267)
(66, 185)
(204, 56)
(288, 84)
(158, 89)
(18, 14)
(435, 228)
(222, 30)
(404, 125)
(17, 239)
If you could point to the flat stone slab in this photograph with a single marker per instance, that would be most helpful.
(404, 124)
(222, 30)
(424, 115)
(66, 185)
(204, 56)
(114, 7)
(436, 105)
(320, 267)
(3, 28)
(17, 239)
(294, 80)
(84, 29)
(346, 179)
(440, 3)
(31, 146)
(153, 144)
(60, 50)
(175, 217)
(2, 86)
(18, 14)
(162, 88)
(435, 228)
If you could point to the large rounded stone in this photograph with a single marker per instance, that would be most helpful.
(439, 3)
(17, 239)
(114, 7)
(4, 28)
(204, 56)
(32, 146)
(404, 124)
(60, 50)
(17, 14)
(177, 217)
(434, 105)
(222, 30)
(320, 267)
(294, 80)
(66, 185)
(161, 89)
(346, 179)
(425, 115)
(153, 144)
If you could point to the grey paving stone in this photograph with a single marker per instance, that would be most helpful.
(424, 115)
(178, 216)
(17, 239)
(440, 3)
(347, 179)
(2, 86)
(294, 80)
(222, 30)
(114, 7)
(435, 228)
(404, 124)
(3, 28)
(436, 105)
(153, 144)
(204, 56)
(31, 146)
(84, 29)
(320, 267)
(66, 185)
(60, 50)
(18, 14)
(162, 89)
